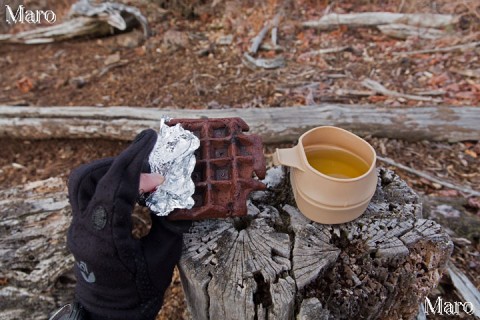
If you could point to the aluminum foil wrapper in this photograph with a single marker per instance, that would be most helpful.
(173, 157)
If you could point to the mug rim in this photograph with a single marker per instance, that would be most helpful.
(344, 180)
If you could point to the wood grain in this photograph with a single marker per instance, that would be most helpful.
(276, 264)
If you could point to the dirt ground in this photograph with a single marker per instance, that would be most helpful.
(194, 60)
(192, 63)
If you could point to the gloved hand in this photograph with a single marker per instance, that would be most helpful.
(118, 277)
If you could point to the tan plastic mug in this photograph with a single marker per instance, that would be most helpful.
(323, 198)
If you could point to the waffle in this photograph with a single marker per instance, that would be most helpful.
(223, 173)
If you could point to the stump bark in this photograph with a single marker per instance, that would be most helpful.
(276, 264)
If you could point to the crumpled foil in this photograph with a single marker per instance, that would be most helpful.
(173, 157)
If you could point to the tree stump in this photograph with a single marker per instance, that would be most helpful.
(272, 264)
(276, 264)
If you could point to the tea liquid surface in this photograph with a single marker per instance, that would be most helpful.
(337, 163)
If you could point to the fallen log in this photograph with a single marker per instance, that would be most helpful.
(286, 124)
(363, 19)
(403, 31)
(276, 264)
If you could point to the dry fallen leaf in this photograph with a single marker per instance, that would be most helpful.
(25, 84)
(471, 153)
(439, 80)
(111, 59)
(437, 185)
(474, 202)
(466, 95)
(377, 98)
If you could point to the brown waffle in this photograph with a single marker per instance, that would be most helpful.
(223, 174)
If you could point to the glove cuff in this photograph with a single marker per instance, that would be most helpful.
(146, 311)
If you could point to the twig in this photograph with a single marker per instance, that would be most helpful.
(376, 86)
(195, 84)
(259, 38)
(353, 93)
(322, 51)
(438, 92)
(274, 63)
(444, 49)
(328, 9)
(275, 23)
(468, 73)
(296, 86)
(16, 103)
(472, 8)
(424, 175)
(113, 66)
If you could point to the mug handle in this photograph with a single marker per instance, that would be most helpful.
(288, 157)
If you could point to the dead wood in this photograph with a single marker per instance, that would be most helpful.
(353, 93)
(274, 35)
(259, 38)
(323, 51)
(276, 264)
(403, 31)
(475, 73)
(438, 123)
(465, 46)
(467, 191)
(34, 262)
(257, 41)
(85, 19)
(265, 63)
(378, 87)
(334, 20)
(466, 289)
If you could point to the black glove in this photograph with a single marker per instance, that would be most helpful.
(118, 277)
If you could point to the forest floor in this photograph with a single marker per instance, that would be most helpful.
(195, 60)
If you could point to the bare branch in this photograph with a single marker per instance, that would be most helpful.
(466, 190)
(378, 87)
(465, 46)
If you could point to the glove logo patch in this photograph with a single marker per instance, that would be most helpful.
(87, 276)
(99, 218)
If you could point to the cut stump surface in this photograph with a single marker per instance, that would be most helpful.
(276, 264)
